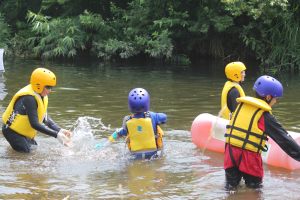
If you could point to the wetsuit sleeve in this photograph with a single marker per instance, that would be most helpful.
(159, 118)
(233, 94)
(30, 105)
(123, 131)
(51, 124)
(274, 129)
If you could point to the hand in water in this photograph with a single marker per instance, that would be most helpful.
(102, 145)
(67, 133)
(64, 137)
(99, 146)
(111, 139)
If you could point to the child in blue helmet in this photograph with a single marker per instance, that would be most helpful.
(141, 128)
(247, 132)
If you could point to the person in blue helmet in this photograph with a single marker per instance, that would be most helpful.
(247, 132)
(141, 128)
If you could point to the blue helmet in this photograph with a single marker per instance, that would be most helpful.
(138, 100)
(267, 85)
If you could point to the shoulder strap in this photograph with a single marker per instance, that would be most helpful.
(147, 114)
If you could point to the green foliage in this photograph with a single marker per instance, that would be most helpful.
(284, 51)
(55, 37)
(134, 32)
(160, 46)
(210, 19)
(271, 32)
(90, 21)
(174, 19)
(113, 47)
(40, 23)
(18, 45)
(4, 33)
(254, 8)
(165, 30)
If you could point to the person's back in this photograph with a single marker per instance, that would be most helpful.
(144, 135)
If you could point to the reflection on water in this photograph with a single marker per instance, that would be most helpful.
(91, 100)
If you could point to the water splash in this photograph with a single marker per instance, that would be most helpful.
(90, 124)
(84, 131)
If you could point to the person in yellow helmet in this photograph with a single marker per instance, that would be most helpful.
(27, 113)
(235, 73)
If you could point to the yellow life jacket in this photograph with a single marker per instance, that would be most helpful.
(159, 137)
(225, 112)
(20, 123)
(243, 130)
(141, 136)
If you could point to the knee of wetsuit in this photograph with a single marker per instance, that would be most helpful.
(233, 178)
(21, 148)
(252, 181)
(253, 184)
(24, 147)
(230, 187)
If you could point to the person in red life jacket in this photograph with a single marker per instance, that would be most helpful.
(247, 132)
(235, 73)
(141, 128)
(27, 113)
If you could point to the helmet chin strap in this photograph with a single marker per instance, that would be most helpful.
(268, 101)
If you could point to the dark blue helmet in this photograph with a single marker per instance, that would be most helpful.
(267, 85)
(138, 100)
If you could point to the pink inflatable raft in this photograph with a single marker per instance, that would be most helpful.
(208, 134)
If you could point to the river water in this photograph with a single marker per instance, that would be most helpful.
(91, 100)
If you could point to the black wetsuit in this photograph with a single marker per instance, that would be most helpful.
(233, 94)
(271, 127)
(274, 129)
(27, 105)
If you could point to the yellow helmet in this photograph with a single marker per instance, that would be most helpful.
(233, 71)
(40, 78)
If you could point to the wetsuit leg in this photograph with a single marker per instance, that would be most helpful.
(18, 142)
(252, 181)
(233, 177)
